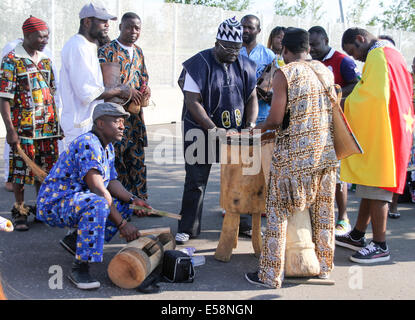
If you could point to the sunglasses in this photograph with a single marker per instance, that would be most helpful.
(229, 49)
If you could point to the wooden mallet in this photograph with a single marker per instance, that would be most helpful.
(156, 212)
(39, 173)
(147, 232)
(313, 281)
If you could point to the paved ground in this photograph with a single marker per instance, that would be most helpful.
(29, 261)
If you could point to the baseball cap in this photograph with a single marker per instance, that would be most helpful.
(109, 109)
(95, 10)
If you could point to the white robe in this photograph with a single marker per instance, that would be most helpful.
(80, 84)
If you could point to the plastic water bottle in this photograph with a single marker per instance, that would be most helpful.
(189, 251)
(198, 260)
(6, 225)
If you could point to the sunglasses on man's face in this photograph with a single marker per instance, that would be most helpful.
(230, 49)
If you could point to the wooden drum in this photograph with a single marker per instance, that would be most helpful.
(134, 263)
(245, 166)
(300, 256)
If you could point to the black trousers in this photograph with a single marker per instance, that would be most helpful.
(196, 180)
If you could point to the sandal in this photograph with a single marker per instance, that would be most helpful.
(33, 210)
(19, 217)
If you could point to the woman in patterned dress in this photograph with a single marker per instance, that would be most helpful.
(303, 170)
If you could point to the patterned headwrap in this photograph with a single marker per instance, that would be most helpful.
(33, 24)
(230, 30)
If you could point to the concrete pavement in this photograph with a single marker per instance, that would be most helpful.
(34, 266)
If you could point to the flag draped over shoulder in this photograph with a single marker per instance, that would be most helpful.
(381, 115)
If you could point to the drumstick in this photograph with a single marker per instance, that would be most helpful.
(326, 282)
(35, 168)
(157, 212)
(147, 232)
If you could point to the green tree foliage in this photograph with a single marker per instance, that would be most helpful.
(356, 10)
(301, 8)
(234, 5)
(400, 14)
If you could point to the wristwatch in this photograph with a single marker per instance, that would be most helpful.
(132, 199)
(251, 124)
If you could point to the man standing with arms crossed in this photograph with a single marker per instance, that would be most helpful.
(129, 153)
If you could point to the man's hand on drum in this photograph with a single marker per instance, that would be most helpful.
(129, 232)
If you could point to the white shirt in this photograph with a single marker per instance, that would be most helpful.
(81, 83)
(190, 85)
(329, 55)
(130, 50)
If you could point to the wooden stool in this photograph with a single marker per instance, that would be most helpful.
(245, 169)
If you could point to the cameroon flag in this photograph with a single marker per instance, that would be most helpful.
(381, 115)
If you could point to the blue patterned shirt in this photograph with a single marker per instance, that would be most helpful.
(67, 175)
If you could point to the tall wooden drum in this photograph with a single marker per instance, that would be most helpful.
(245, 166)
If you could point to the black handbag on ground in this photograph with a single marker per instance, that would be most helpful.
(177, 267)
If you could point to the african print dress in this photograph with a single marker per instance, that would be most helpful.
(303, 171)
(130, 156)
(30, 87)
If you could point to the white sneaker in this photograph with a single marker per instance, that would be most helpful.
(182, 238)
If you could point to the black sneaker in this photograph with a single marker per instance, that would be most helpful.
(347, 241)
(253, 278)
(69, 242)
(81, 278)
(245, 229)
(372, 253)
